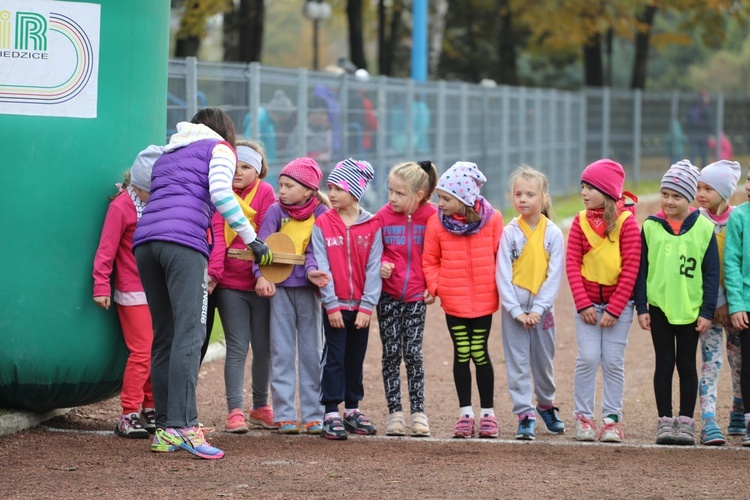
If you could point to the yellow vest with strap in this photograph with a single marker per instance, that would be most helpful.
(530, 268)
(720, 240)
(229, 233)
(300, 231)
(603, 263)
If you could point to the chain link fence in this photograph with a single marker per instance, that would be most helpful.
(388, 120)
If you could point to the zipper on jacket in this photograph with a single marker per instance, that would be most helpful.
(408, 256)
(349, 262)
(471, 268)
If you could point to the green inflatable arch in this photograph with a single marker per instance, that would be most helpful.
(57, 349)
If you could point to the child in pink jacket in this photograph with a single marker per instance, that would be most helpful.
(244, 313)
(115, 250)
(347, 245)
(403, 304)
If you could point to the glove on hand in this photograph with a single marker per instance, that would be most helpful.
(263, 254)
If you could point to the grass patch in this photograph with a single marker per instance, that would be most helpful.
(4, 411)
(217, 334)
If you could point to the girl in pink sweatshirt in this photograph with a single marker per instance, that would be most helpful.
(115, 250)
(403, 304)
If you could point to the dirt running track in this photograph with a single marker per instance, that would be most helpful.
(78, 455)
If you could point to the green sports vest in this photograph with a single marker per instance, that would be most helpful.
(675, 279)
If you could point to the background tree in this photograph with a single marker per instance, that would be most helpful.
(193, 23)
(390, 29)
(243, 31)
(356, 40)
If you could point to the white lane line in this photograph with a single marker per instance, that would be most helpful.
(77, 431)
(466, 442)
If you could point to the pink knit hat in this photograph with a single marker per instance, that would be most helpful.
(606, 176)
(305, 171)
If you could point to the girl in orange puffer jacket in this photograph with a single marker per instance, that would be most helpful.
(458, 260)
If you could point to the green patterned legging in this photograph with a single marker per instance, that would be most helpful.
(469, 337)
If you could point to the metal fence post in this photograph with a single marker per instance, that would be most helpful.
(191, 87)
(522, 125)
(440, 126)
(538, 95)
(719, 123)
(302, 112)
(583, 126)
(382, 114)
(463, 121)
(344, 113)
(606, 110)
(409, 113)
(253, 85)
(505, 131)
(567, 127)
(486, 132)
(637, 121)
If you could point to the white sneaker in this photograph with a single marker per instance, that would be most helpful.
(396, 424)
(420, 426)
(611, 433)
(585, 428)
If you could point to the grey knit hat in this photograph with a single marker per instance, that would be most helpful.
(682, 178)
(140, 172)
(722, 176)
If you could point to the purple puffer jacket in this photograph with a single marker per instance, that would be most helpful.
(179, 208)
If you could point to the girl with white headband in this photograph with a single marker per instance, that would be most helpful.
(244, 314)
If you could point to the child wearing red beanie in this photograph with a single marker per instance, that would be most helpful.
(603, 257)
(296, 325)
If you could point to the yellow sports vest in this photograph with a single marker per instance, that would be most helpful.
(603, 263)
(229, 233)
(300, 231)
(720, 239)
(530, 268)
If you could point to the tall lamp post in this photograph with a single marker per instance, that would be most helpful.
(316, 10)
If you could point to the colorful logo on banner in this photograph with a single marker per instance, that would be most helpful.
(49, 58)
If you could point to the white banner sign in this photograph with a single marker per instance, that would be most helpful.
(49, 58)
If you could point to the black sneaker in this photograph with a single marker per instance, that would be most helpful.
(333, 428)
(148, 419)
(359, 424)
(129, 426)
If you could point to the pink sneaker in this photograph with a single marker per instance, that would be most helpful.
(464, 427)
(488, 427)
(263, 417)
(236, 421)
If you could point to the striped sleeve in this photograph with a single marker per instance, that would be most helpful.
(220, 174)
(573, 260)
(630, 251)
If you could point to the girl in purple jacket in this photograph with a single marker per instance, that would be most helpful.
(189, 182)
